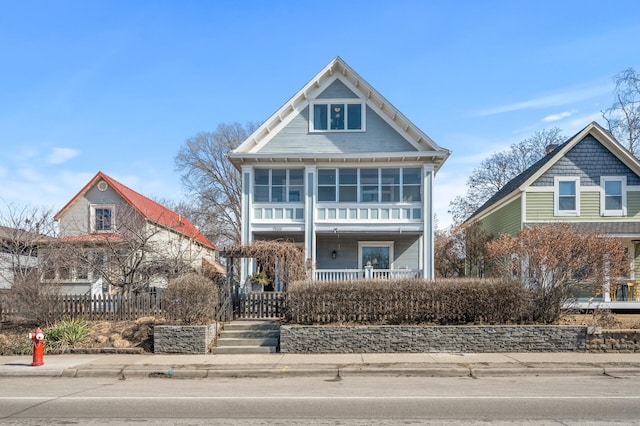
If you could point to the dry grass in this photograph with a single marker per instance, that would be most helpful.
(102, 334)
(604, 319)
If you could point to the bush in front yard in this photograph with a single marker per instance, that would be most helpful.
(67, 333)
(191, 299)
(454, 301)
(30, 302)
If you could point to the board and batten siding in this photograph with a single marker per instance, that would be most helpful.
(540, 207)
(505, 220)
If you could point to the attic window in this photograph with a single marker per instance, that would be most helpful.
(102, 219)
(336, 116)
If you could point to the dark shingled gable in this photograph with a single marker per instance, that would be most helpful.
(515, 183)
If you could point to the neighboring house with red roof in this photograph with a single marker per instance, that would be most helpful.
(112, 237)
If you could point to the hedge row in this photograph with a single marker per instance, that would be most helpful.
(443, 302)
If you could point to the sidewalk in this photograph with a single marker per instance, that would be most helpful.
(326, 365)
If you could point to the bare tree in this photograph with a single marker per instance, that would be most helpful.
(214, 183)
(499, 168)
(21, 229)
(135, 253)
(448, 250)
(623, 117)
(552, 260)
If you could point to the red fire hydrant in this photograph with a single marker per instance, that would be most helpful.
(38, 347)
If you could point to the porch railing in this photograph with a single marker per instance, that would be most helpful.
(366, 273)
(338, 274)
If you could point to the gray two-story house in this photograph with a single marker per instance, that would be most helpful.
(342, 173)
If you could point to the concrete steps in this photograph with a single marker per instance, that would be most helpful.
(249, 337)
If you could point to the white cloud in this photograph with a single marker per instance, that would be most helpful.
(29, 174)
(554, 100)
(61, 155)
(557, 117)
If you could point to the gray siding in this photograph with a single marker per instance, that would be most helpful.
(75, 220)
(406, 250)
(337, 89)
(588, 159)
(296, 138)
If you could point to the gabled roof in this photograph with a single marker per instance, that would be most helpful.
(337, 69)
(147, 208)
(520, 183)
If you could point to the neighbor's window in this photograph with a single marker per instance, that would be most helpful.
(102, 219)
(337, 116)
(613, 200)
(567, 199)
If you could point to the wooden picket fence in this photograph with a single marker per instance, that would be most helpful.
(114, 307)
(260, 305)
(118, 307)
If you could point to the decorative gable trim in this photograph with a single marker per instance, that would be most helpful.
(338, 69)
(150, 210)
(529, 176)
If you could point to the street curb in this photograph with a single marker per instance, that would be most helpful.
(327, 371)
(537, 371)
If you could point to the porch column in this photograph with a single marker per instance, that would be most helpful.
(245, 220)
(427, 238)
(309, 215)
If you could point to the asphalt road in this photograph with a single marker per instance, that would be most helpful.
(348, 401)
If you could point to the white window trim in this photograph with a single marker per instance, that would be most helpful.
(347, 101)
(556, 196)
(92, 217)
(618, 212)
(287, 186)
(401, 185)
(388, 244)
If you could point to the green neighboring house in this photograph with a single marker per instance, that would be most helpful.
(590, 181)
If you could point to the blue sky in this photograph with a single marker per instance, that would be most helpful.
(119, 86)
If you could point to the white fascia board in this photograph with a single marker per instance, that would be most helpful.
(276, 227)
(603, 137)
(616, 148)
(369, 228)
(357, 85)
(285, 113)
(435, 157)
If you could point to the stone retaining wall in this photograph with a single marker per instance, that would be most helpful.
(368, 339)
(183, 339)
(614, 341)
